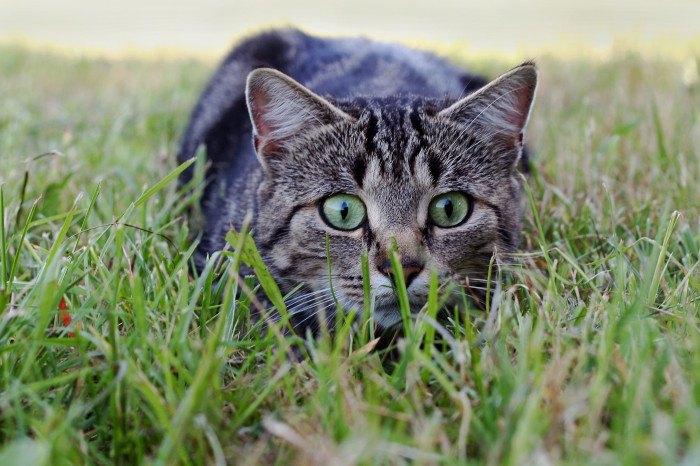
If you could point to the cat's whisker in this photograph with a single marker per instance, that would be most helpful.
(299, 308)
(474, 283)
(295, 299)
(334, 307)
(274, 314)
(320, 300)
(474, 287)
(474, 279)
(318, 310)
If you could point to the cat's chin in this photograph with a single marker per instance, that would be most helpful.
(388, 315)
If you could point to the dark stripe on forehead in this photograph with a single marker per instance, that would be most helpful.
(415, 150)
(416, 122)
(358, 170)
(435, 167)
(389, 125)
(417, 125)
(370, 134)
(393, 135)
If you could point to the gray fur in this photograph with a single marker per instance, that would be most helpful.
(395, 135)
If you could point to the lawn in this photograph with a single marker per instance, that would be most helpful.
(111, 351)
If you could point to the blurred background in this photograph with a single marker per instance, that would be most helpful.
(503, 26)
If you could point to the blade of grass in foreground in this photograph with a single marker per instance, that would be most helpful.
(161, 184)
(195, 395)
(15, 263)
(45, 288)
(93, 199)
(251, 257)
(432, 314)
(661, 259)
(399, 283)
(367, 317)
(3, 244)
(323, 319)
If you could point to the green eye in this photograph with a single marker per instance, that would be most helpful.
(344, 211)
(449, 209)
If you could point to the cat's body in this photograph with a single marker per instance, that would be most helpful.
(368, 142)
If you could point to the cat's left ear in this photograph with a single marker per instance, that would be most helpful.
(281, 109)
(501, 108)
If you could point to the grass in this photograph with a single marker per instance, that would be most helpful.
(111, 352)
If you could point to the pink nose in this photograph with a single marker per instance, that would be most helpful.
(410, 271)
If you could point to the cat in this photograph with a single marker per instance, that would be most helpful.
(367, 143)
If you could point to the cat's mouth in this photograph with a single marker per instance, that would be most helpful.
(309, 307)
(387, 312)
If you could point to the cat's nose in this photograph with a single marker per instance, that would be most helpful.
(411, 269)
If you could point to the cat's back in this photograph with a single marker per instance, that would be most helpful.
(350, 67)
(346, 68)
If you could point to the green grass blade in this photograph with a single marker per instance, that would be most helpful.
(399, 283)
(15, 263)
(93, 199)
(3, 243)
(251, 257)
(660, 144)
(161, 184)
(661, 259)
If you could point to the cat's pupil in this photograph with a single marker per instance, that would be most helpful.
(448, 207)
(344, 209)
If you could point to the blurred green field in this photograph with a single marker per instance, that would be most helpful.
(591, 358)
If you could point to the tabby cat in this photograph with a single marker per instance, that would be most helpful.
(364, 142)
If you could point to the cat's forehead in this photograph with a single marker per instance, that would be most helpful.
(394, 150)
(394, 147)
(394, 113)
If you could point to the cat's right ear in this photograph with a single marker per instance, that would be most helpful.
(500, 109)
(281, 109)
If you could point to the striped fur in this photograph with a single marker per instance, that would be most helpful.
(395, 127)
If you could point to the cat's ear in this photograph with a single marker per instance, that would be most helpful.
(502, 107)
(281, 109)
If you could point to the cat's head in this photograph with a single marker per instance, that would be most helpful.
(437, 177)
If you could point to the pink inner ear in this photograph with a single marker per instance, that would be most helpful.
(262, 126)
(520, 111)
(281, 110)
(514, 110)
(524, 102)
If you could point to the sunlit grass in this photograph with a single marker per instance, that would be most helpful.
(111, 351)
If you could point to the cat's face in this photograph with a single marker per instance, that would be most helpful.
(438, 181)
